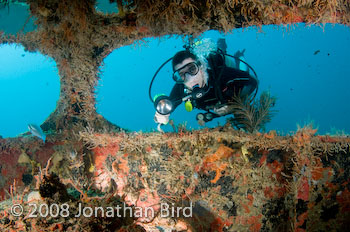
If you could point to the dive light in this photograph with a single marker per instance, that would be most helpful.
(163, 105)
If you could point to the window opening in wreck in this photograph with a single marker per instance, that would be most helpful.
(305, 67)
(29, 89)
(15, 17)
(106, 6)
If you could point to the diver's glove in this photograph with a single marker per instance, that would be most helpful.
(224, 110)
(161, 119)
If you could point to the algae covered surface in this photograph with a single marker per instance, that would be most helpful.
(84, 178)
(210, 180)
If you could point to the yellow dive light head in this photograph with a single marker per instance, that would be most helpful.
(188, 106)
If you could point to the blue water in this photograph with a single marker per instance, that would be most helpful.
(29, 89)
(305, 67)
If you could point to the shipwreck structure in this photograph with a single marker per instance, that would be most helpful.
(231, 180)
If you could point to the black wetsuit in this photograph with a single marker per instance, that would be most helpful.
(218, 90)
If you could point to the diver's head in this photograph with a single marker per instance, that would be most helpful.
(189, 70)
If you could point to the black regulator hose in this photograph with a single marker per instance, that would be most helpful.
(154, 76)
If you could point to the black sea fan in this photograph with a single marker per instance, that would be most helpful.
(252, 116)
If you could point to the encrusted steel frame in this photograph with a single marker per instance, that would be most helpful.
(235, 181)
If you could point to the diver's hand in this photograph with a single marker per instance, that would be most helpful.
(161, 119)
(222, 110)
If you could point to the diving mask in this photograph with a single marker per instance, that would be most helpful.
(184, 73)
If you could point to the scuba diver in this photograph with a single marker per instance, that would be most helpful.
(208, 82)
